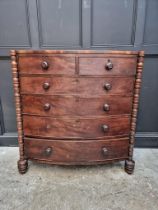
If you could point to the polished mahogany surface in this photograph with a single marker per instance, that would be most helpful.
(76, 107)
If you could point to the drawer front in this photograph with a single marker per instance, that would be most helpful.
(47, 65)
(76, 128)
(83, 86)
(76, 151)
(107, 66)
(75, 105)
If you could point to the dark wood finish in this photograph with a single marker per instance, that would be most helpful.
(76, 107)
(22, 166)
(129, 166)
(46, 105)
(77, 85)
(75, 152)
(75, 127)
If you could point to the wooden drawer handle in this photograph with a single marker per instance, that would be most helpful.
(105, 128)
(106, 107)
(45, 65)
(104, 151)
(109, 65)
(107, 86)
(48, 151)
(47, 107)
(46, 85)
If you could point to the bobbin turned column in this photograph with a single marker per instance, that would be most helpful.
(130, 164)
(22, 163)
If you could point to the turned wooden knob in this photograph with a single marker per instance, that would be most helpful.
(46, 85)
(45, 65)
(46, 106)
(109, 65)
(48, 151)
(106, 107)
(107, 86)
(104, 151)
(105, 128)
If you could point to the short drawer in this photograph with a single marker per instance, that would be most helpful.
(83, 86)
(45, 105)
(76, 152)
(89, 128)
(107, 66)
(47, 65)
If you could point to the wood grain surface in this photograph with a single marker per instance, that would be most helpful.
(97, 66)
(75, 152)
(77, 85)
(75, 127)
(75, 105)
(56, 65)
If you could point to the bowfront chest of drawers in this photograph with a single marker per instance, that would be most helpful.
(76, 107)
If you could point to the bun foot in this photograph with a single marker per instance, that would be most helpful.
(22, 166)
(129, 166)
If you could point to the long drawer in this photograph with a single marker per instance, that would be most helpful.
(89, 128)
(45, 64)
(81, 85)
(75, 152)
(45, 105)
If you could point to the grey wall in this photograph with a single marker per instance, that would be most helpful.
(76, 24)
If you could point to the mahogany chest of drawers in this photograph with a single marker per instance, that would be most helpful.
(76, 107)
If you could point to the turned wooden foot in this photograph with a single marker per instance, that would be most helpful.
(129, 166)
(22, 166)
